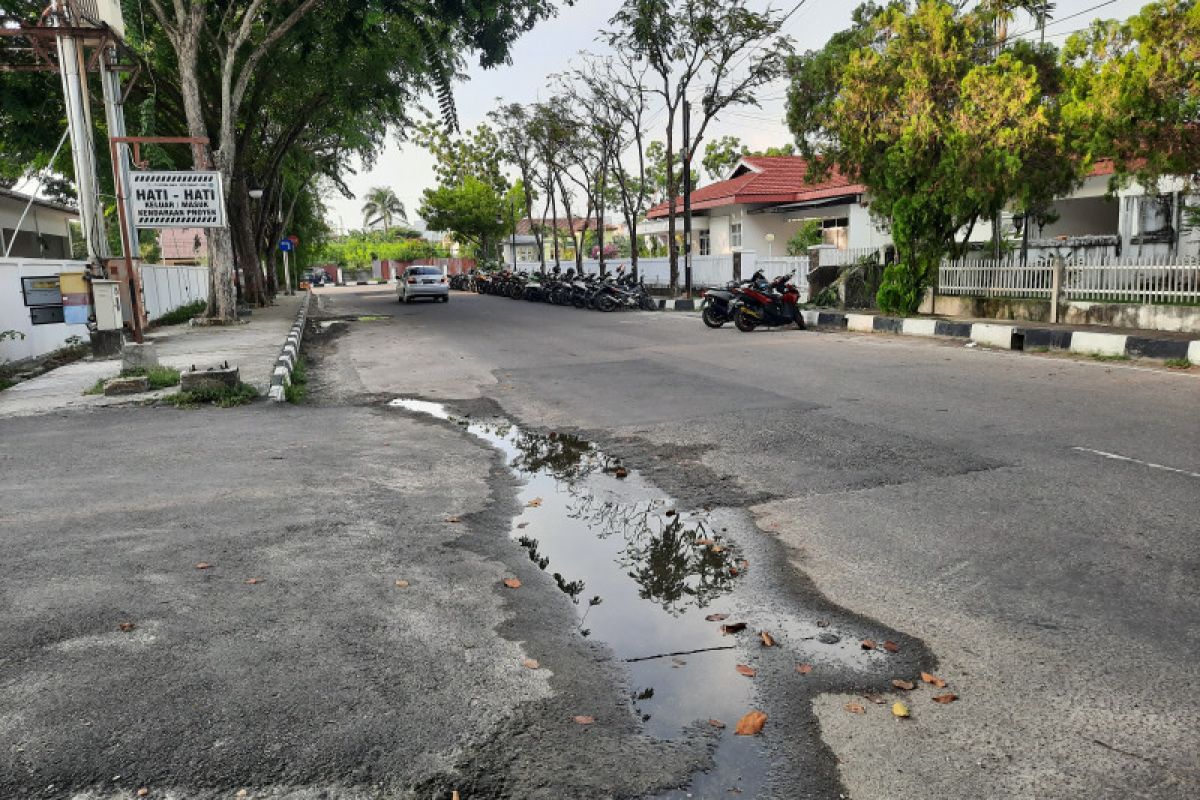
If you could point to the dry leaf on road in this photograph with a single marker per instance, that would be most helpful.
(804, 669)
(716, 617)
(703, 542)
(899, 709)
(751, 724)
(907, 686)
(891, 647)
(868, 644)
(254, 581)
(621, 472)
(531, 663)
(733, 627)
(402, 584)
(534, 503)
(745, 670)
(716, 723)
(126, 627)
(933, 679)
(453, 519)
(143, 792)
(204, 565)
(767, 639)
(584, 720)
(512, 583)
(523, 525)
(856, 708)
(945, 699)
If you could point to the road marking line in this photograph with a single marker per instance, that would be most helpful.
(1119, 457)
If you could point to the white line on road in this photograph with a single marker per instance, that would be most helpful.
(1119, 457)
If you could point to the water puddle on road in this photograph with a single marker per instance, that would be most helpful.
(642, 576)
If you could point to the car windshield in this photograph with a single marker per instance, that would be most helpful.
(424, 271)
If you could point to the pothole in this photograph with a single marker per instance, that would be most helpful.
(661, 586)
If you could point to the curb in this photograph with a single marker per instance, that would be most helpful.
(1013, 337)
(281, 377)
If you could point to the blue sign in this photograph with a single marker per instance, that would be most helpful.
(286, 245)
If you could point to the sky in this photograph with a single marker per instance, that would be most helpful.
(554, 45)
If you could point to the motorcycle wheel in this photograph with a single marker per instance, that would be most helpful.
(712, 318)
(743, 321)
(800, 320)
(605, 303)
(648, 303)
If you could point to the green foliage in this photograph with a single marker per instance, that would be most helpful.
(807, 235)
(383, 206)
(182, 314)
(656, 171)
(296, 391)
(1178, 363)
(1134, 90)
(721, 154)
(223, 397)
(157, 377)
(941, 129)
(357, 250)
(472, 210)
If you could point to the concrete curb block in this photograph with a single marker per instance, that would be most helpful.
(281, 377)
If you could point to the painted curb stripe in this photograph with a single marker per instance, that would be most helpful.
(959, 330)
(289, 353)
(1045, 337)
(993, 335)
(1156, 348)
(888, 325)
(862, 323)
(1194, 352)
(918, 327)
(1107, 344)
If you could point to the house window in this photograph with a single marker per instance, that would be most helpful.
(705, 244)
(836, 232)
(735, 234)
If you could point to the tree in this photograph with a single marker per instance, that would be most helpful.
(658, 171)
(721, 154)
(472, 211)
(518, 149)
(941, 131)
(383, 206)
(1134, 91)
(807, 235)
(719, 49)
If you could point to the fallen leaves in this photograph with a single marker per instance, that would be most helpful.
(716, 617)
(933, 679)
(453, 519)
(748, 671)
(534, 503)
(531, 663)
(583, 719)
(402, 584)
(512, 583)
(704, 542)
(900, 710)
(855, 708)
(751, 724)
(868, 644)
(716, 723)
(907, 686)
(733, 627)
(143, 792)
(945, 699)
(126, 627)
(523, 525)
(767, 639)
(621, 472)
(891, 647)
(877, 699)
(253, 581)
(204, 565)
(804, 669)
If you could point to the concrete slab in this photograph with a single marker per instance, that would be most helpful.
(919, 327)
(1102, 344)
(863, 323)
(993, 335)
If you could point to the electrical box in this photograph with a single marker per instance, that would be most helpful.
(106, 296)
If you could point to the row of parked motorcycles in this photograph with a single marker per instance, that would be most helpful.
(753, 303)
(611, 292)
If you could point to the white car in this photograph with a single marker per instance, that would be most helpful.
(421, 280)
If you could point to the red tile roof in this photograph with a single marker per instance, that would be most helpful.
(765, 179)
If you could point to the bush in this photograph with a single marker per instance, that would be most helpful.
(902, 288)
(224, 397)
(295, 391)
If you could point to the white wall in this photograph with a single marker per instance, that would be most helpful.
(166, 288)
(40, 220)
(39, 339)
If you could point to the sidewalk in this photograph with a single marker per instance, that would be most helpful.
(252, 346)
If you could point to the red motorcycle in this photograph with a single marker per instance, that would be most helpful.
(770, 306)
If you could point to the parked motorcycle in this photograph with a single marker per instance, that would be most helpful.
(717, 305)
(770, 306)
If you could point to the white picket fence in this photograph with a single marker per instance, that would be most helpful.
(166, 288)
(707, 271)
(1162, 280)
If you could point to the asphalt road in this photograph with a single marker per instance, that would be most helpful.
(1029, 521)
(871, 487)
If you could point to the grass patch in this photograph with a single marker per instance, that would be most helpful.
(224, 397)
(1178, 363)
(372, 318)
(181, 314)
(5, 383)
(1106, 357)
(159, 378)
(296, 391)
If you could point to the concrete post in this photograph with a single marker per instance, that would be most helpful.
(1056, 264)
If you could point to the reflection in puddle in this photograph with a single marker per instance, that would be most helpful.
(642, 575)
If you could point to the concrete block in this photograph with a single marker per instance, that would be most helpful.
(1194, 352)
(223, 377)
(106, 344)
(1101, 344)
(993, 335)
(138, 356)
(863, 323)
(119, 386)
(812, 317)
(919, 327)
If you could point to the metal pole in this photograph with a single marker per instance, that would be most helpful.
(687, 199)
(82, 153)
(287, 273)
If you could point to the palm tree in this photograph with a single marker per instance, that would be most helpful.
(383, 206)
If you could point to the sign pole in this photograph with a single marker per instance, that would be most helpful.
(118, 165)
(287, 273)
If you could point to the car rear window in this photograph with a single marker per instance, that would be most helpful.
(424, 271)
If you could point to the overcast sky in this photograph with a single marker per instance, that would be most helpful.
(551, 47)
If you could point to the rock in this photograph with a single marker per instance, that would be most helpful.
(138, 356)
(133, 385)
(829, 638)
(222, 377)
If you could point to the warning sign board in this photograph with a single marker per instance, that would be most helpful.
(177, 200)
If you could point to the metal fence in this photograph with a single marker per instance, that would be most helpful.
(1157, 280)
(166, 288)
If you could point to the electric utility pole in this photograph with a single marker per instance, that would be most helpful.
(687, 199)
